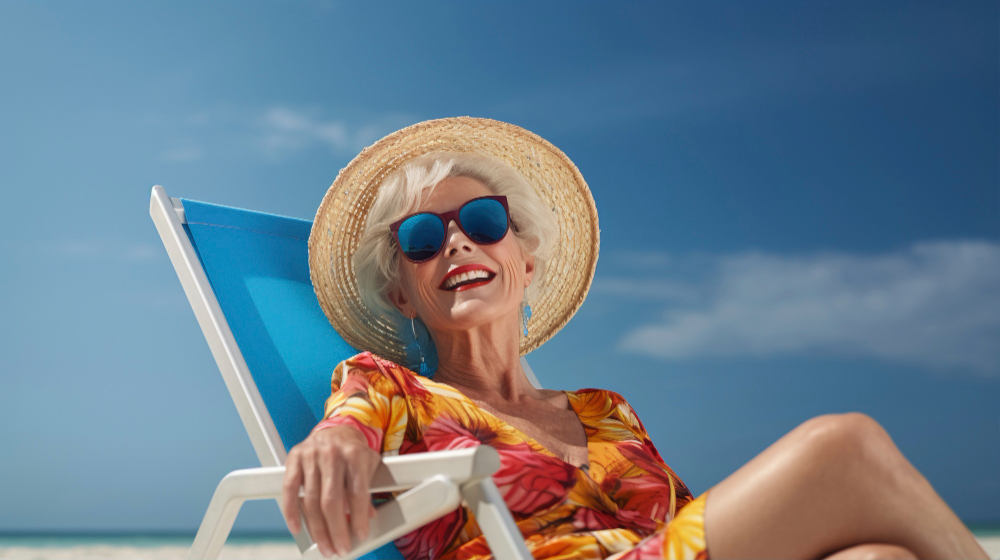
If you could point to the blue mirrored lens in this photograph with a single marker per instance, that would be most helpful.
(484, 220)
(421, 236)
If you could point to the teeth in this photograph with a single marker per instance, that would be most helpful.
(465, 277)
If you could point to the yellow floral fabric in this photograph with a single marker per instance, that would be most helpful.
(628, 505)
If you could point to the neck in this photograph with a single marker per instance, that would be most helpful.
(484, 361)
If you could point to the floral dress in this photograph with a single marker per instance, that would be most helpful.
(629, 504)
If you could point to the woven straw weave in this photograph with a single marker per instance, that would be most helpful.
(340, 222)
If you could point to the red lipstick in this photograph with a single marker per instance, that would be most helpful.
(474, 280)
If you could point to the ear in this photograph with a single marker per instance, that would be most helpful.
(402, 303)
(529, 269)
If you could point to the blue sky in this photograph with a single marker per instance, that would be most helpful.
(799, 207)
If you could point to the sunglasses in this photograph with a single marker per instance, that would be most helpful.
(484, 220)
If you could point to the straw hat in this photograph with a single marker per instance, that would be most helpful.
(340, 222)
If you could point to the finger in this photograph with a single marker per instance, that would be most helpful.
(290, 493)
(332, 502)
(359, 500)
(358, 503)
(315, 521)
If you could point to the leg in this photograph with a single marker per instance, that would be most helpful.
(834, 482)
(873, 551)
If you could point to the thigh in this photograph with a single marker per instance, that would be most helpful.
(873, 551)
(796, 499)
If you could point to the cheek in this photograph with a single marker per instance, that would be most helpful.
(513, 273)
(420, 280)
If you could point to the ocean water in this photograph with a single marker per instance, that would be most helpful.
(985, 530)
(139, 540)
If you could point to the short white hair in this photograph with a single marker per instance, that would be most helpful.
(376, 260)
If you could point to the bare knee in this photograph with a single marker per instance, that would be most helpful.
(874, 551)
(852, 437)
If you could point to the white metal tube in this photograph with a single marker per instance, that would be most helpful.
(495, 521)
(395, 518)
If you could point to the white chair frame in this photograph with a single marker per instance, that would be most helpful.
(435, 483)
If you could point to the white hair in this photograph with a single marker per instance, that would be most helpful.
(376, 261)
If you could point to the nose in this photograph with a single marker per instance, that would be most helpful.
(457, 243)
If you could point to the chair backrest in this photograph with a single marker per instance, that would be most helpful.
(246, 275)
(258, 268)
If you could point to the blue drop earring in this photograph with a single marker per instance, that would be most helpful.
(525, 313)
(416, 340)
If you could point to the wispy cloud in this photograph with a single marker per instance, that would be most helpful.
(287, 129)
(935, 305)
(277, 132)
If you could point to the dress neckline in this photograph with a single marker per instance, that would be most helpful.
(570, 397)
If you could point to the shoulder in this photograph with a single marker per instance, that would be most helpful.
(371, 371)
(604, 403)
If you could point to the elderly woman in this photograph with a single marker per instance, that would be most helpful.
(452, 248)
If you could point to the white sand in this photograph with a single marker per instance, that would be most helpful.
(256, 551)
(992, 546)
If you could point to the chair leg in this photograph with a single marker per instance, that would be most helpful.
(234, 489)
(494, 520)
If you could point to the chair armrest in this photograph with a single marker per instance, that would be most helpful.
(434, 480)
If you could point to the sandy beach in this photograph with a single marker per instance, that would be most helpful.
(269, 551)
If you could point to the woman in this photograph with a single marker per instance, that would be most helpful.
(455, 246)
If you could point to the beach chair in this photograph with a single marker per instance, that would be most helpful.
(246, 276)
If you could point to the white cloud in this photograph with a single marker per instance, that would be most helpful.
(287, 130)
(935, 305)
(276, 132)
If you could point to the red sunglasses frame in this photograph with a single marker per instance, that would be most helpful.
(450, 216)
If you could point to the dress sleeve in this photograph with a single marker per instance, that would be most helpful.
(627, 416)
(365, 398)
(657, 466)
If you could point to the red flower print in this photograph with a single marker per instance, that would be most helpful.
(431, 540)
(635, 521)
(372, 436)
(531, 481)
(650, 492)
(364, 360)
(445, 433)
(586, 519)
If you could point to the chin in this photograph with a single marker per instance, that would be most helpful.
(473, 313)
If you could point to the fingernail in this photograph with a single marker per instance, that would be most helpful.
(342, 550)
(362, 533)
(325, 551)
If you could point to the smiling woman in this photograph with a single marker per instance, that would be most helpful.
(376, 261)
(460, 226)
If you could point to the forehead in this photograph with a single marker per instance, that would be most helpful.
(453, 192)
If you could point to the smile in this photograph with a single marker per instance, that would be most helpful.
(466, 277)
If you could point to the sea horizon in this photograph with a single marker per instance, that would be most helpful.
(136, 538)
(150, 538)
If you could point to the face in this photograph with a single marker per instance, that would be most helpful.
(495, 282)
